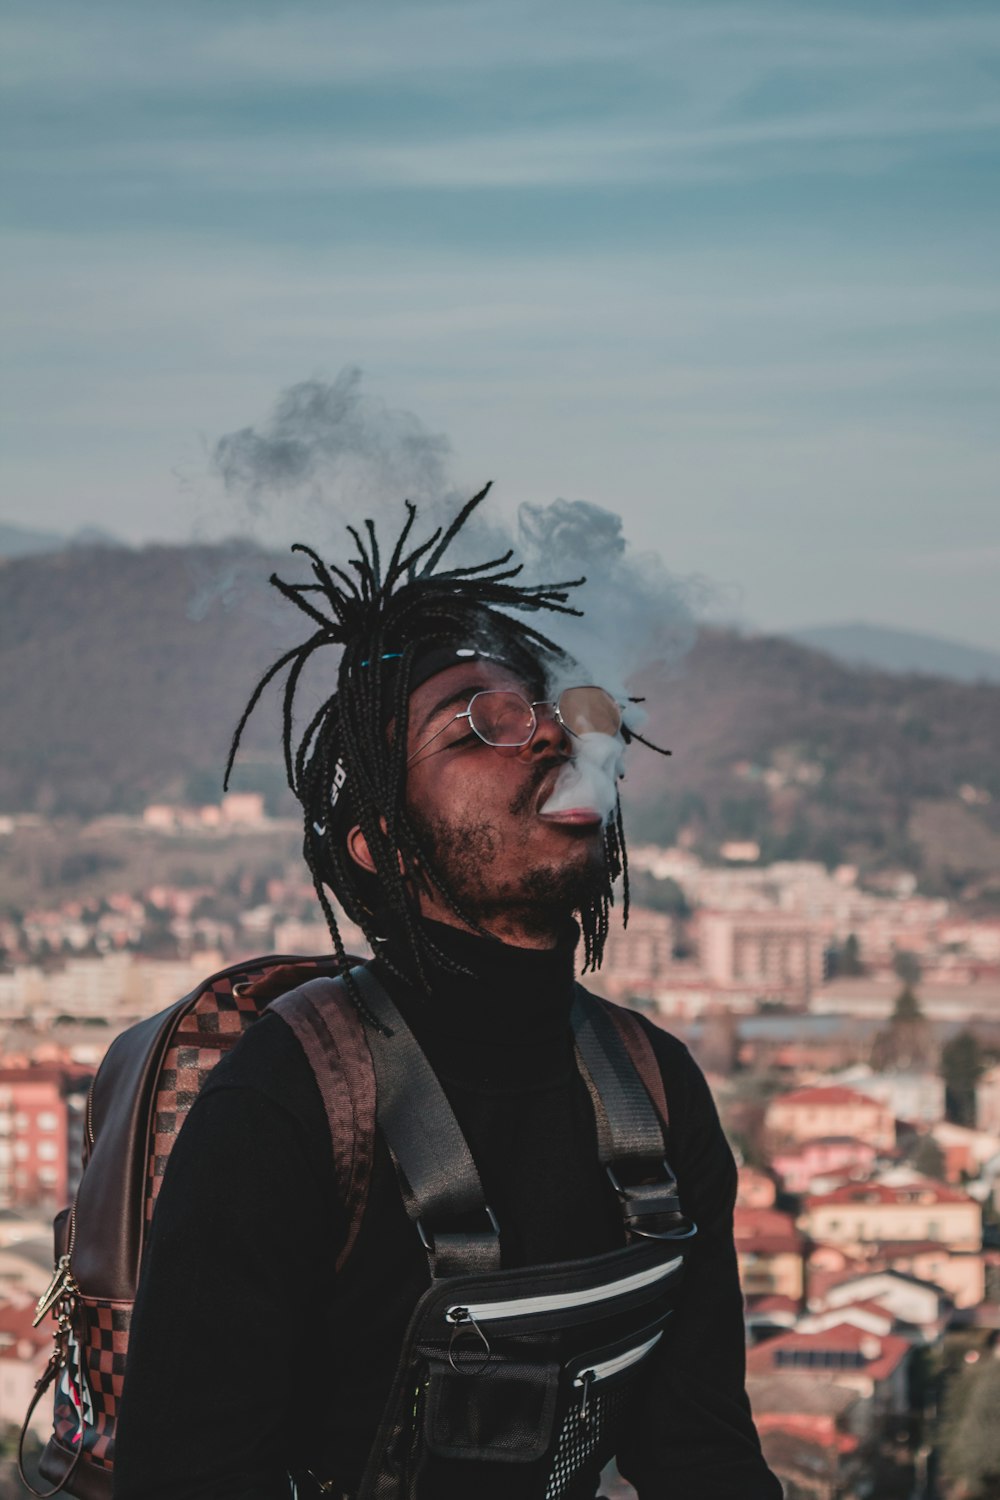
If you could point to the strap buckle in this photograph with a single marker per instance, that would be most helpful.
(649, 1205)
(427, 1239)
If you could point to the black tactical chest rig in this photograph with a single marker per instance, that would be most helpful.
(518, 1383)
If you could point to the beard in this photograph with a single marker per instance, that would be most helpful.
(495, 883)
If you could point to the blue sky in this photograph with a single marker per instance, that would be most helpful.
(729, 270)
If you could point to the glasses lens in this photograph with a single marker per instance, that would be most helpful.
(502, 718)
(589, 710)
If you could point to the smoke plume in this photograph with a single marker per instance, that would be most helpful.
(330, 454)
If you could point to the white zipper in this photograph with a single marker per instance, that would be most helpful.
(520, 1307)
(608, 1367)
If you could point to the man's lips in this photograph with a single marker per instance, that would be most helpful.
(573, 816)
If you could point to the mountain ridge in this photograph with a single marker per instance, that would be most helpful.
(124, 671)
(886, 648)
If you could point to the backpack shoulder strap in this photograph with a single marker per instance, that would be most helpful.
(640, 1049)
(328, 1027)
(620, 1069)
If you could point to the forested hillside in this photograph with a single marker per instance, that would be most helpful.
(123, 672)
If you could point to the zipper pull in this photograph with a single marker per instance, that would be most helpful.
(62, 1281)
(586, 1379)
(461, 1319)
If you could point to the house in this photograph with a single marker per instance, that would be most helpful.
(832, 1155)
(868, 1315)
(770, 1314)
(965, 1151)
(908, 1207)
(873, 1366)
(807, 1432)
(914, 1094)
(809, 1114)
(988, 1100)
(34, 1138)
(769, 1249)
(24, 1352)
(918, 1309)
(755, 1189)
(962, 1274)
(807, 1463)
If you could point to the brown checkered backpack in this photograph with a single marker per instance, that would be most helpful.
(141, 1095)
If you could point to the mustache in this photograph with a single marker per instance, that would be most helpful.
(525, 799)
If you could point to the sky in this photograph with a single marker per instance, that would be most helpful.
(728, 270)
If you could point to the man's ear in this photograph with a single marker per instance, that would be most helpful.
(357, 848)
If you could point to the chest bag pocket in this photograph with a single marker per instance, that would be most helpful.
(519, 1379)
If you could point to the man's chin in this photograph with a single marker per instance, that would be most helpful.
(570, 885)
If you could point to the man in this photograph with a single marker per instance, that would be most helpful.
(463, 813)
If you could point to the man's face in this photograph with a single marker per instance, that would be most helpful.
(476, 809)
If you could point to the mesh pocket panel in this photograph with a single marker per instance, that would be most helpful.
(583, 1446)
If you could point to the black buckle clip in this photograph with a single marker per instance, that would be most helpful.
(649, 1201)
(428, 1243)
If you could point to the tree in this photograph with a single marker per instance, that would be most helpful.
(961, 1066)
(907, 966)
(907, 1042)
(907, 1007)
(928, 1158)
(971, 1433)
(849, 963)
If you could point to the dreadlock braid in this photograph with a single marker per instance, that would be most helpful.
(349, 765)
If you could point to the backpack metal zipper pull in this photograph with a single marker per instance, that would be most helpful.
(586, 1380)
(61, 1285)
(461, 1319)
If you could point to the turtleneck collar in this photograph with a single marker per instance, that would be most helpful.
(503, 1024)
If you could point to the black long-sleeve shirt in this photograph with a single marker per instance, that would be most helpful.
(249, 1356)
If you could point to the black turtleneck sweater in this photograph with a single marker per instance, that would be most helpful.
(248, 1357)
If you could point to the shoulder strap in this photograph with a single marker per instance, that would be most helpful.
(640, 1049)
(329, 1029)
(443, 1194)
(363, 1075)
(630, 1132)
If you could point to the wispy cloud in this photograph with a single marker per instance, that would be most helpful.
(729, 268)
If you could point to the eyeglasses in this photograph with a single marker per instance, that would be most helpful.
(503, 718)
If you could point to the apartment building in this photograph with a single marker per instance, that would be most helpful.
(918, 1209)
(769, 1248)
(774, 951)
(830, 1110)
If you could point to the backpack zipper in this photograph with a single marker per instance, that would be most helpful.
(608, 1367)
(519, 1307)
(604, 1369)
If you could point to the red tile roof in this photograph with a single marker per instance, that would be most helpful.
(831, 1093)
(772, 1302)
(766, 1231)
(886, 1354)
(924, 1191)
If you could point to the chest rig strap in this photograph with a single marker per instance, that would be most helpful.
(630, 1135)
(442, 1192)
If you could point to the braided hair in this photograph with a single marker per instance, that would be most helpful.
(347, 768)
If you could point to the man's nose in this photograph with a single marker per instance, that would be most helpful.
(550, 736)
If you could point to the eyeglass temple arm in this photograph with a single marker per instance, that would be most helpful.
(466, 714)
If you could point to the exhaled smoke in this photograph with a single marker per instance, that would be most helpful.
(330, 454)
(637, 616)
(588, 783)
